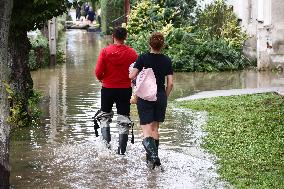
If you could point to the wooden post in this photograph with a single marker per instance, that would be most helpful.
(126, 9)
(52, 40)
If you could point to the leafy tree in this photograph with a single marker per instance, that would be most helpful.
(180, 11)
(26, 16)
(218, 20)
(146, 16)
(5, 14)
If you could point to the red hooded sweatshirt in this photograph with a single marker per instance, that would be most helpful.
(113, 64)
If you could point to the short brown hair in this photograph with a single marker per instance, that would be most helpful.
(120, 33)
(156, 41)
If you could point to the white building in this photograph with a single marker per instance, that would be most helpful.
(263, 20)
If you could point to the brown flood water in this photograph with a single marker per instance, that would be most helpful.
(63, 151)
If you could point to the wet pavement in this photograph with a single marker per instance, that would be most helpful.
(63, 152)
(232, 92)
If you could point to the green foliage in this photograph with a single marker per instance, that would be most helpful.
(39, 53)
(32, 60)
(60, 56)
(19, 116)
(145, 17)
(180, 12)
(39, 41)
(219, 21)
(213, 55)
(61, 24)
(139, 42)
(192, 48)
(110, 10)
(34, 109)
(247, 137)
(32, 14)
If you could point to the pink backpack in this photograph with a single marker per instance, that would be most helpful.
(146, 86)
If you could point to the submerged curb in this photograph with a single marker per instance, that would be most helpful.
(232, 92)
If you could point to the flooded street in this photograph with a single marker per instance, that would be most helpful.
(63, 152)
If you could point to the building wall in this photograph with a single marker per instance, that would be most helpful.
(246, 10)
(263, 21)
(274, 33)
(278, 14)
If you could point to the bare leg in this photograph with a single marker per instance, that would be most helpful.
(151, 130)
(150, 143)
(155, 130)
(147, 130)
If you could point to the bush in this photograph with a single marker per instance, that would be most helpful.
(179, 12)
(19, 115)
(39, 41)
(145, 16)
(60, 56)
(32, 60)
(189, 47)
(213, 55)
(219, 21)
(39, 53)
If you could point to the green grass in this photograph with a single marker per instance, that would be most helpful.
(246, 133)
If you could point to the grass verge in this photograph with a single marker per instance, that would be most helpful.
(246, 133)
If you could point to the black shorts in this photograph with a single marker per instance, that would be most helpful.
(152, 111)
(119, 96)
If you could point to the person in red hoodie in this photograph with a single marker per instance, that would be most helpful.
(112, 71)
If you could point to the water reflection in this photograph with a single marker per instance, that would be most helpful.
(189, 83)
(63, 151)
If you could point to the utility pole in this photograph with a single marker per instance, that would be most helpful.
(126, 9)
(52, 40)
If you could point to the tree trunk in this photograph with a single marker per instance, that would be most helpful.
(5, 14)
(20, 80)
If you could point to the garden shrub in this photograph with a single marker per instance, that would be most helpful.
(191, 48)
(179, 12)
(145, 17)
(218, 20)
(32, 60)
(39, 53)
(20, 116)
(60, 56)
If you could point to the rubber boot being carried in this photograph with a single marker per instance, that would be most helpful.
(122, 144)
(152, 151)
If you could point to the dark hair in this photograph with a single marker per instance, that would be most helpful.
(156, 41)
(119, 33)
